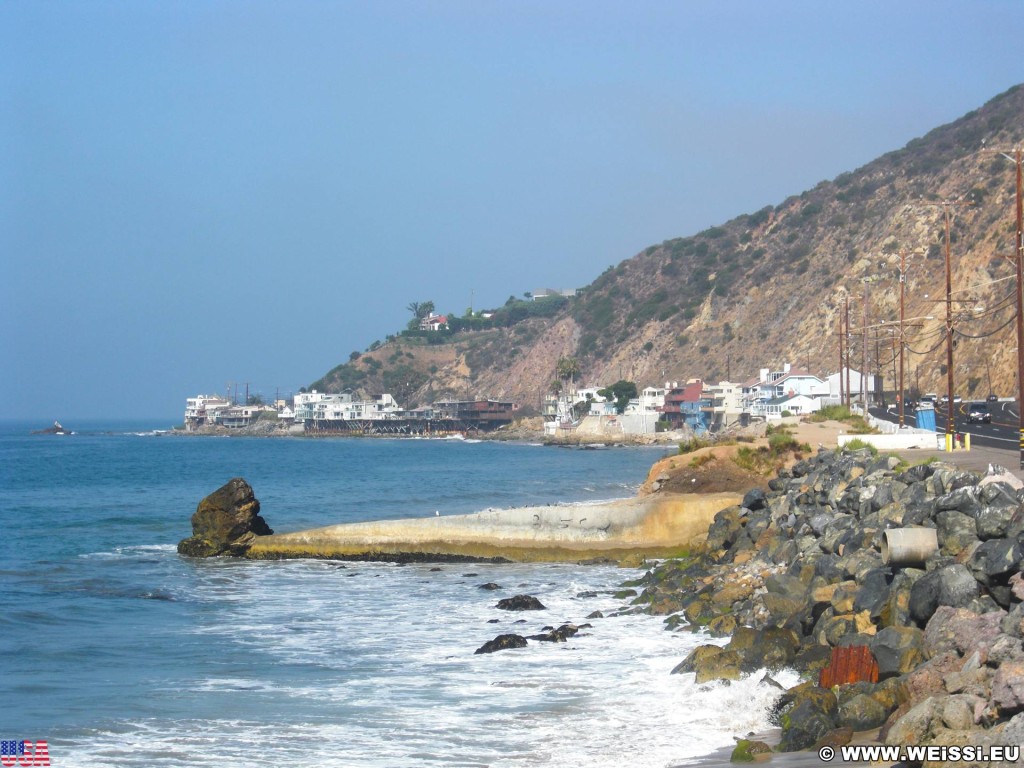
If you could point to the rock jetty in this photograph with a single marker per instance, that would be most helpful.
(796, 572)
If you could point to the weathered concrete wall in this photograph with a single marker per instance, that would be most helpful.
(653, 527)
(899, 441)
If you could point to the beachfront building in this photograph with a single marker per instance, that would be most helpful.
(239, 416)
(202, 409)
(344, 407)
(726, 403)
(689, 406)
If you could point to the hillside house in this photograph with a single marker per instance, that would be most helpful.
(434, 322)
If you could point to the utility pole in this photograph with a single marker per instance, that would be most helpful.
(864, 359)
(842, 393)
(903, 285)
(950, 423)
(947, 206)
(846, 312)
(903, 338)
(1018, 251)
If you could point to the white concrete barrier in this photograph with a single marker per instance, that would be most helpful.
(900, 441)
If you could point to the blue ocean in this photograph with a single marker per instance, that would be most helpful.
(119, 652)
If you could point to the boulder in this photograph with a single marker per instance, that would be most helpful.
(956, 531)
(746, 751)
(719, 666)
(807, 713)
(559, 635)
(995, 559)
(226, 522)
(898, 650)
(918, 725)
(520, 603)
(960, 631)
(862, 713)
(501, 643)
(695, 657)
(1008, 688)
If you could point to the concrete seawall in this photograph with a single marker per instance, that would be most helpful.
(657, 526)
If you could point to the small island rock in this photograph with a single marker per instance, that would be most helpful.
(225, 522)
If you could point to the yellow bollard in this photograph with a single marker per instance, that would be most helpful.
(949, 443)
(967, 441)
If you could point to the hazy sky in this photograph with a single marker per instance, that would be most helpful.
(196, 193)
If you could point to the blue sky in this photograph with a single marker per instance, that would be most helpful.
(193, 194)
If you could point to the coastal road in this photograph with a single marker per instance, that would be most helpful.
(994, 443)
(1001, 433)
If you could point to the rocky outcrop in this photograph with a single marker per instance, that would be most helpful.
(226, 522)
(520, 603)
(793, 573)
(502, 643)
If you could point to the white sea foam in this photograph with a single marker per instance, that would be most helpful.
(378, 664)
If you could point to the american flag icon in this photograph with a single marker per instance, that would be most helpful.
(24, 753)
(12, 748)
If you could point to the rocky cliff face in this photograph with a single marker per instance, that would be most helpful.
(767, 287)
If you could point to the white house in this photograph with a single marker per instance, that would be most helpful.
(727, 401)
(238, 416)
(433, 322)
(546, 293)
(343, 408)
(855, 384)
(202, 409)
(795, 405)
(788, 382)
(304, 404)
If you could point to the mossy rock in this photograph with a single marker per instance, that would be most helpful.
(747, 751)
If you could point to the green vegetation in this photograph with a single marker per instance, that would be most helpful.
(857, 445)
(858, 425)
(622, 392)
(692, 444)
(767, 460)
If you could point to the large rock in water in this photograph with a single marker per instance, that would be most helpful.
(226, 522)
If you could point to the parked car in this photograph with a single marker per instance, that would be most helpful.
(979, 412)
(957, 399)
(992, 398)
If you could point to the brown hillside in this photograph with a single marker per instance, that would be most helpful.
(766, 287)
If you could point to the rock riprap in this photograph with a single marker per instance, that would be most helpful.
(790, 574)
(226, 522)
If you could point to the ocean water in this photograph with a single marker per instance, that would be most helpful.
(119, 652)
